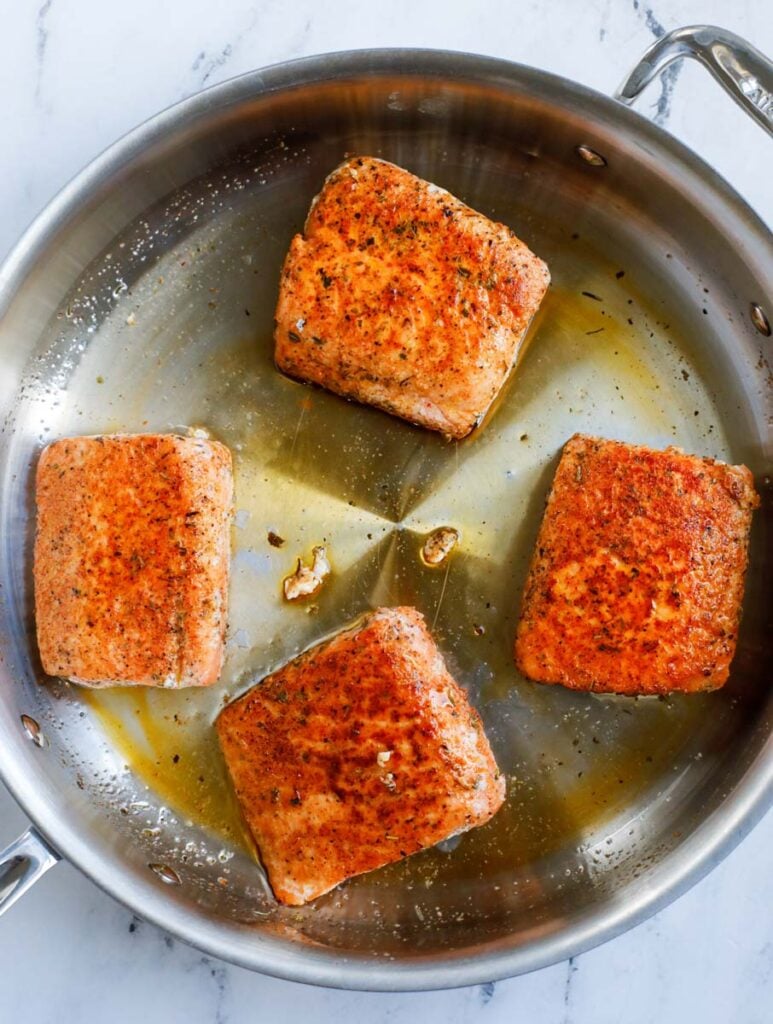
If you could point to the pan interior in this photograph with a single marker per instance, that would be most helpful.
(169, 329)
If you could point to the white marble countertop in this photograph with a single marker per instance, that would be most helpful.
(76, 74)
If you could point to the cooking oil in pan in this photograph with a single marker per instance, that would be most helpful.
(313, 469)
(171, 330)
(174, 751)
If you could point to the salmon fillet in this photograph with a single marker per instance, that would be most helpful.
(132, 559)
(637, 581)
(400, 296)
(358, 753)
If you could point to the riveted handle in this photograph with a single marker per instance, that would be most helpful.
(22, 864)
(742, 71)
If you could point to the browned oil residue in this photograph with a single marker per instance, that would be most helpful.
(175, 751)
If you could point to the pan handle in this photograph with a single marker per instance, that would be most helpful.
(22, 864)
(742, 71)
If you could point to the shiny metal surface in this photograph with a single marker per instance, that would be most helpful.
(142, 299)
(21, 865)
(742, 71)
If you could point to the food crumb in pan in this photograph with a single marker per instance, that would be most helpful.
(439, 545)
(275, 540)
(306, 581)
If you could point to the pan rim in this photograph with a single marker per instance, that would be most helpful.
(704, 848)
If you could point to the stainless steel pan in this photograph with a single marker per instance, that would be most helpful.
(142, 299)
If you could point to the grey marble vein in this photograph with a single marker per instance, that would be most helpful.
(487, 993)
(669, 77)
(206, 65)
(603, 21)
(571, 969)
(41, 43)
(219, 974)
(211, 64)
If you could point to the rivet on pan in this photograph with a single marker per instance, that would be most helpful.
(32, 729)
(165, 873)
(590, 156)
(759, 319)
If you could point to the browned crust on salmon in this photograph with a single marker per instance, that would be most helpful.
(358, 753)
(401, 296)
(637, 580)
(132, 559)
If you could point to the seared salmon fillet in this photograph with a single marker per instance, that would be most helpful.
(637, 580)
(400, 296)
(132, 559)
(360, 752)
